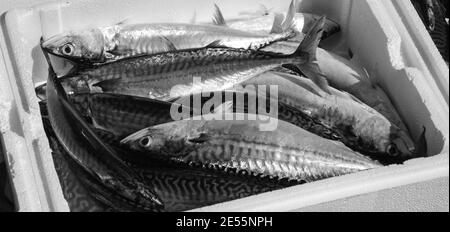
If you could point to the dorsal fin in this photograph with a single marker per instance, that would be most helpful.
(216, 44)
(289, 20)
(277, 24)
(218, 18)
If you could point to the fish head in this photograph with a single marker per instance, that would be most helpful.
(403, 145)
(386, 138)
(400, 145)
(78, 46)
(162, 139)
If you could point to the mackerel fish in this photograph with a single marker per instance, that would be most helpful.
(184, 187)
(93, 156)
(100, 45)
(349, 120)
(171, 75)
(286, 152)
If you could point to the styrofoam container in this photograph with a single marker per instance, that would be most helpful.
(373, 30)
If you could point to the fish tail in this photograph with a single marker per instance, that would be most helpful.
(311, 41)
(307, 49)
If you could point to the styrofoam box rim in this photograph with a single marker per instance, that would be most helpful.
(430, 54)
(36, 183)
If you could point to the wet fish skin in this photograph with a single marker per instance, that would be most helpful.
(245, 98)
(344, 75)
(70, 181)
(170, 75)
(100, 45)
(288, 152)
(102, 165)
(123, 115)
(189, 189)
(353, 122)
(215, 71)
(184, 187)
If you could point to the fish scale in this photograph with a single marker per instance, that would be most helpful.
(288, 152)
(103, 166)
(121, 114)
(154, 75)
(184, 188)
(131, 40)
(337, 116)
(171, 61)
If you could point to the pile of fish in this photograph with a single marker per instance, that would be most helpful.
(171, 116)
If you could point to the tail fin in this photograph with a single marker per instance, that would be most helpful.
(312, 39)
(308, 47)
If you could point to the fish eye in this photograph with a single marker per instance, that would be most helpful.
(67, 49)
(145, 141)
(392, 150)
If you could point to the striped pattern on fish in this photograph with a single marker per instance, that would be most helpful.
(114, 177)
(353, 122)
(121, 114)
(104, 45)
(143, 39)
(184, 187)
(219, 68)
(274, 160)
(288, 152)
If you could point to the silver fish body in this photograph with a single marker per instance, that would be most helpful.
(174, 74)
(100, 45)
(102, 165)
(171, 75)
(353, 122)
(343, 74)
(123, 115)
(184, 187)
(188, 188)
(286, 152)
